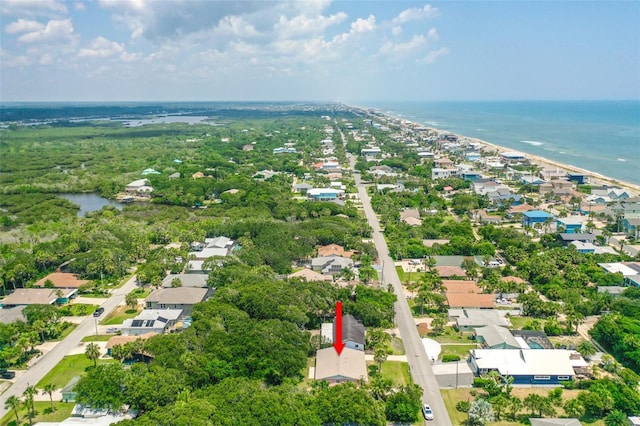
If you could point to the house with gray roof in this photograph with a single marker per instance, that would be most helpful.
(186, 280)
(331, 265)
(352, 332)
(177, 298)
(469, 319)
(151, 320)
(495, 337)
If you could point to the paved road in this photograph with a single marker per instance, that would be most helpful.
(419, 363)
(49, 360)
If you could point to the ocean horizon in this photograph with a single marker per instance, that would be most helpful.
(599, 136)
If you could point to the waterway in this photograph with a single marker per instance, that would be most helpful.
(90, 202)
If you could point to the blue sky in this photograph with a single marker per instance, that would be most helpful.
(350, 51)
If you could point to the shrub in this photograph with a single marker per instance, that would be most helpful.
(450, 357)
(463, 406)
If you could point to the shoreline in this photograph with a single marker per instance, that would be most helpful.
(595, 179)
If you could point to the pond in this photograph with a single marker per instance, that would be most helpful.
(90, 202)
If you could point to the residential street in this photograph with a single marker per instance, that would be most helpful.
(49, 360)
(419, 363)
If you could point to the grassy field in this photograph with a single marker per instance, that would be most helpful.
(98, 338)
(397, 372)
(461, 350)
(518, 323)
(43, 408)
(450, 335)
(69, 367)
(452, 396)
(120, 314)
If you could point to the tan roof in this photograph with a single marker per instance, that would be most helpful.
(412, 221)
(121, 340)
(62, 280)
(407, 213)
(460, 286)
(450, 271)
(333, 250)
(430, 243)
(520, 208)
(470, 300)
(309, 275)
(512, 279)
(350, 365)
(178, 295)
(35, 296)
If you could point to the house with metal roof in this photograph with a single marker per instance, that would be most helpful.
(495, 337)
(534, 216)
(185, 280)
(330, 265)
(528, 366)
(151, 320)
(182, 298)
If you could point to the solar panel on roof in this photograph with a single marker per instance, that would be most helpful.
(149, 323)
(137, 323)
(161, 319)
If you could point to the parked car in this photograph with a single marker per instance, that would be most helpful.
(8, 374)
(112, 330)
(98, 311)
(427, 412)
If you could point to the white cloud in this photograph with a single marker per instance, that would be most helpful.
(237, 26)
(416, 42)
(415, 14)
(79, 6)
(303, 25)
(364, 25)
(32, 8)
(433, 35)
(23, 26)
(101, 48)
(55, 31)
(434, 55)
(396, 31)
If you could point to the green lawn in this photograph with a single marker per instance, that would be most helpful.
(450, 335)
(397, 372)
(518, 323)
(63, 411)
(69, 367)
(98, 338)
(461, 350)
(65, 332)
(119, 315)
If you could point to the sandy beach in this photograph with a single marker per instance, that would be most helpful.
(595, 179)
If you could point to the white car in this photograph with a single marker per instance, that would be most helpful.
(427, 412)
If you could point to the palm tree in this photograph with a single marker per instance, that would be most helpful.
(92, 352)
(50, 388)
(586, 348)
(616, 418)
(13, 403)
(28, 394)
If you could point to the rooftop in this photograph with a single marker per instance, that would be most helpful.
(350, 364)
(178, 295)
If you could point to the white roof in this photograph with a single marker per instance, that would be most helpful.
(169, 314)
(320, 191)
(618, 267)
(326, 332)
(522, 362)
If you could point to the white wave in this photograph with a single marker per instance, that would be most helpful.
(534, 143)
(621, 159)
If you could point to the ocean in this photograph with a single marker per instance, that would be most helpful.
(599, 136)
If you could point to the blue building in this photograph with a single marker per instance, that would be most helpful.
(570, 225)
(528, 366)
(534, 216)
(578, 178)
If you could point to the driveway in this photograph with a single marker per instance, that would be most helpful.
(71, 344)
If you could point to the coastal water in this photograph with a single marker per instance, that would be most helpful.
(599, 136)
(90, 202)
